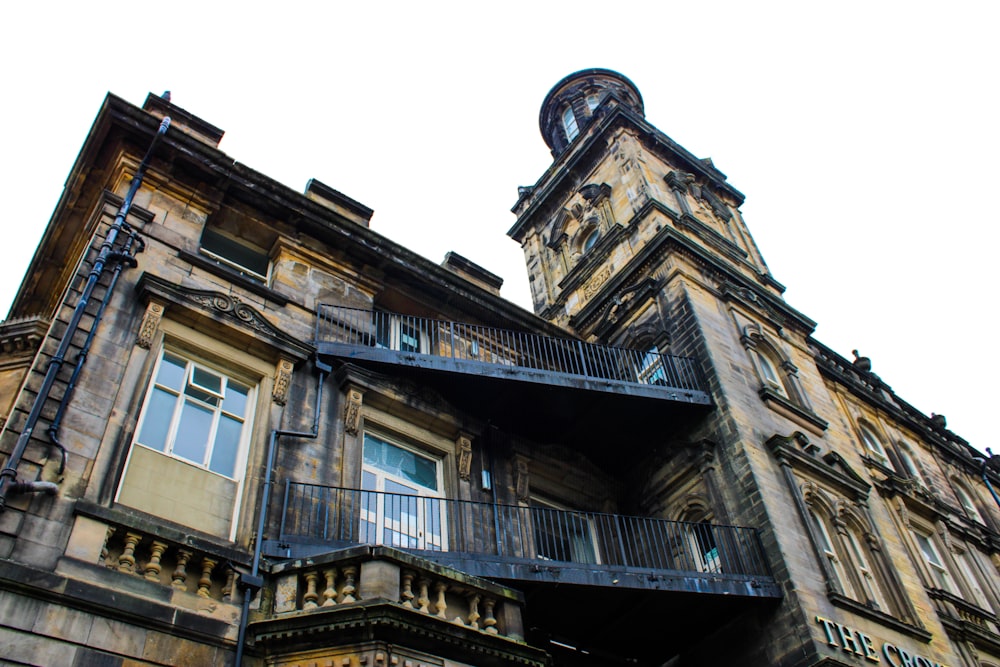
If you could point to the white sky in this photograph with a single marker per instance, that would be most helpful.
(864, 135)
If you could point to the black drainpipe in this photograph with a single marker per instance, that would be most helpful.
(8, 476)
(126, 256)
(250, 584)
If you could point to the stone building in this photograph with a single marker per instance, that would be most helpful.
(242, 427)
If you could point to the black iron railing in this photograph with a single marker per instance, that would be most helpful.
(340, 516)
(489, 345)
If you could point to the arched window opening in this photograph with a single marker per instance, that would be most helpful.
(910, 464)
(827, 547)
(869, 584)
(569, 124)
(769, 373)
(965, 498)
(873, 444)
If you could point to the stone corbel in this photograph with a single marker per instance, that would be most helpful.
(150, 323)
(464, 445)
(282, 381)
(352, 411)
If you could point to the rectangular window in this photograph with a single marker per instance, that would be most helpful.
(651, 369)
(237, 254)
(401, 502)
(968, 573)
(402, 333)
(561, 534)
(187, 459)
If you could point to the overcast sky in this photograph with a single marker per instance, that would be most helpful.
(864, 136)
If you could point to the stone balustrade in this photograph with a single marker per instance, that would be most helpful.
(162, 556)
(379, 573)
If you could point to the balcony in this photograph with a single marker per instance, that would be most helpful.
(578, 570)
(500, 372)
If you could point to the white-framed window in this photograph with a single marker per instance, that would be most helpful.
(870, 585)
(968, 504)
(826, 546)
(401, 500)
(569, 124)
(196, 413)
(402, 333)
(906, 456)
(939, 571)
(187, 460)
(872, 443)
(561, 534)
(238, 254)
(968, 570)
(769, 373)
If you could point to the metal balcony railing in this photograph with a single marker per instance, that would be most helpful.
(465, 342)
(340, 516)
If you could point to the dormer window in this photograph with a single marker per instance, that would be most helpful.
(569, 124)
(237, 254)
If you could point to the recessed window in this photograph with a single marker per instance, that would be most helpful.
(569, 124)
(188, 457)
(235, 253)
(939, 572)
(826, 545)
(562, 535)
(651, 370)
(591, 240)
(873, 444)
(910, 464)
(769, 373)
(968, 504)
(403, 506)
(593, 100)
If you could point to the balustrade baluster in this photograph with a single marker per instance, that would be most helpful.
(473, 618)
(179, 577)
(407, 595)
(330, 591)
(205, 583)
(126, 561)
(424, 600)
(489, 621)
(441, 605)
(350, 572)
(311, 596)
(152, 570)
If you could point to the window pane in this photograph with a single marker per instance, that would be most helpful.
(235, 402)
(156, 421)
(203, 379)
(192, 433)
(171, 373)
(227, 446)
(400, 462)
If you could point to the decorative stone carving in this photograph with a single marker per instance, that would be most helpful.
(521, 484)
(595, 283)
(464, 445)
(352, 411)
(150, 322)
(282, 381)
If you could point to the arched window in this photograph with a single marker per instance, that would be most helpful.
(769, 373)
(873, 444)
(910, 465)
(968, 504)
(569, 124)
(826, 545)
(593, 100)
(860, 556)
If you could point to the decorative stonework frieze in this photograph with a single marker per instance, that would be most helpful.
(150, 323)
(352, 412)
(595, 283)
(282, 381)
(464, 445)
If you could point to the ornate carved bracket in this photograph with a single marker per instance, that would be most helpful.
(282, 381)
(352, 411)
(464, 445)
(150, 323)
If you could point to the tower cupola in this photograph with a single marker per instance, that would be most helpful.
(569, 107)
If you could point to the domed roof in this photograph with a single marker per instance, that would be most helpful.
(569, 106)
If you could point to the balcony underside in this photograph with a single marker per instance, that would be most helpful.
(607, 615)
(543, 405)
